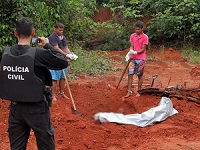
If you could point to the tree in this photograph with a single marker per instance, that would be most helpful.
(75, 15)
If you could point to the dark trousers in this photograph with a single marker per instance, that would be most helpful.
(26, 116)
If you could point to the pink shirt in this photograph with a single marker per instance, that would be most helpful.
(138, 42)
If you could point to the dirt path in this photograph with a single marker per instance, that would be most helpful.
(98, 94)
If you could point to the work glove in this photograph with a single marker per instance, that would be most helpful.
(75, 56)
(132, 52)
(72, 56)
(129, 53)
(127, 56)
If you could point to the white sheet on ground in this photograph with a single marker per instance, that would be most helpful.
(153, 115)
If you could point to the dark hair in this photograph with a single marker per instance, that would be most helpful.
(59, 25)
(24, 27)
(139, 24)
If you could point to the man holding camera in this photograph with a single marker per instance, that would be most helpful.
(24, 76)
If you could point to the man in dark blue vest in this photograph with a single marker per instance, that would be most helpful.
(24, 76)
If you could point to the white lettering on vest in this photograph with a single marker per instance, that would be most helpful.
(15, 69)
(15, 77)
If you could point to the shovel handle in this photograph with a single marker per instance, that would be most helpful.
(69, 90)
(123, 72)
(152, 83)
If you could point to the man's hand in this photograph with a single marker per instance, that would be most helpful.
(132, 52)
(72, 56)
(127, 56)
(75, 56)
(43, 41)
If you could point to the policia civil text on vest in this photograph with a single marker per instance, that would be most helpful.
(17, 74)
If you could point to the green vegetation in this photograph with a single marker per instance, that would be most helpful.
(75, 15)
(90, 62)
(175, 21)
(191, 53)
(170, 21)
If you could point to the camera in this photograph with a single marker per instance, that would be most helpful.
(35, 40)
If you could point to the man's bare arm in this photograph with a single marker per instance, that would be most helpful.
(60, 50)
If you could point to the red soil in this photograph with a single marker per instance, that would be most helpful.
(98, 94)
(102, 15)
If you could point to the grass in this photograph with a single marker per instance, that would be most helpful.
(90, 62)
(192, 53)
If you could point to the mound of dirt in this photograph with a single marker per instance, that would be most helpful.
(195, 71)
(99, 94)
(102, 15)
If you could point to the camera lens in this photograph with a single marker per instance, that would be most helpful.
(38, 40)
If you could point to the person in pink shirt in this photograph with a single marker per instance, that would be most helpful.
(138, 45)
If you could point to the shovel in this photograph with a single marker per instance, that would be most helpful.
(74, 106)
(153, 77)
(123, 73)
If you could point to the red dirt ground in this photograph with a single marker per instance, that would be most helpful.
(99, 94)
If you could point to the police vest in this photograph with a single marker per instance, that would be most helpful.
(18, 81)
